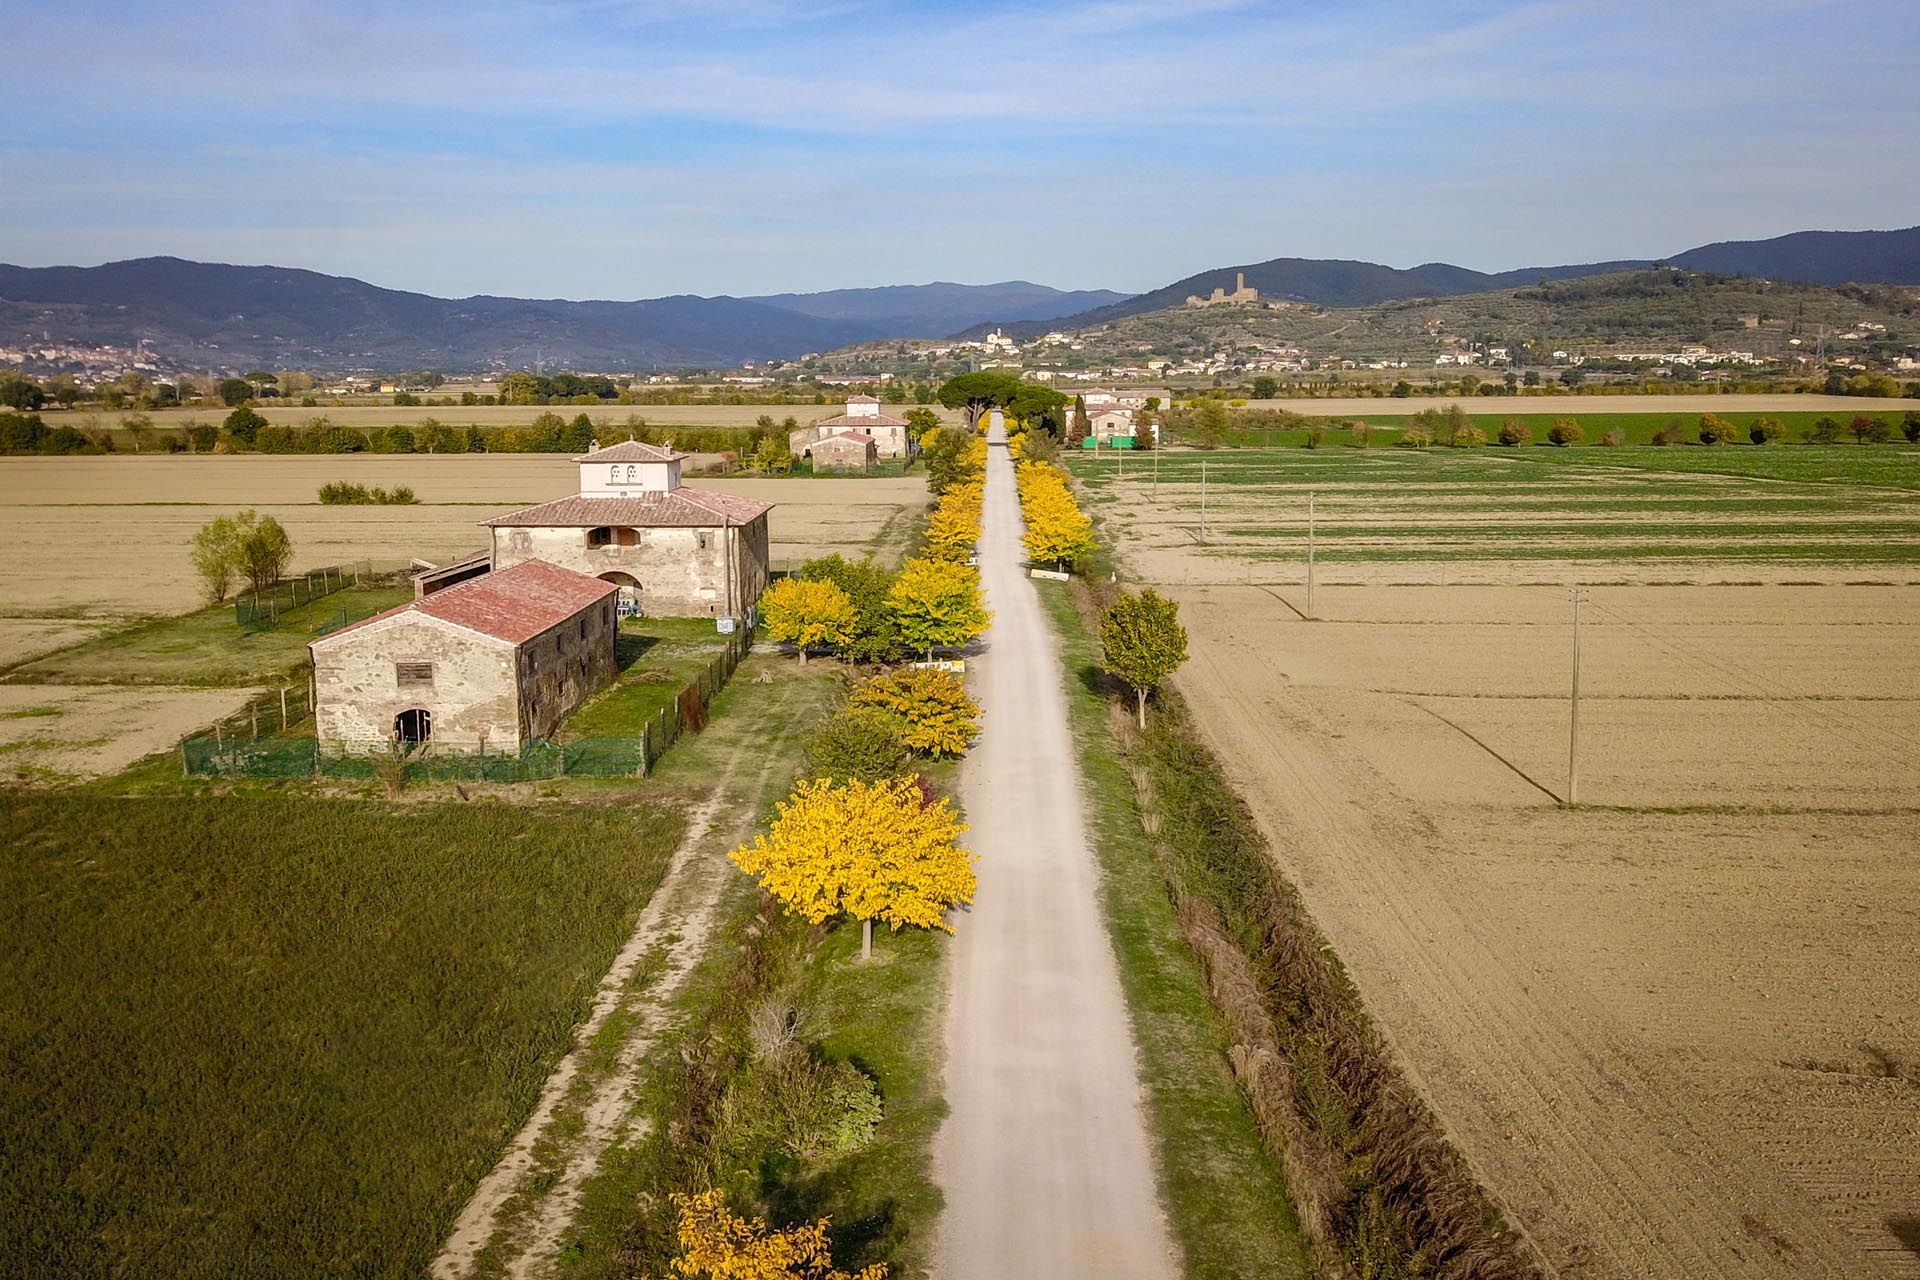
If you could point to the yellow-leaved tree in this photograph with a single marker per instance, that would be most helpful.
(935, 715)
(872, 850)
(1057, 529)
(717, 1244)
(937, 604)
(954, 525)
(808, 613)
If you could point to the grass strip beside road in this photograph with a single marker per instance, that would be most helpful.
(1225, 1194)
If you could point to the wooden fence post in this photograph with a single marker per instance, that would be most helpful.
(253, 715)
(184, 771)
(283, 707)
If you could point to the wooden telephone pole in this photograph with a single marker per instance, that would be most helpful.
(1309, 553)
(1573, 716)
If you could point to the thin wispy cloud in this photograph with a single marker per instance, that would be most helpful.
(589, 147)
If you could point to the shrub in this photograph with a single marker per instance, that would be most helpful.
(1314, 433)
(858, 744)
(337, 493)
(1614, 438)
(1715, 429)
(1413, 438)
(1361, 431)
(1672, 432)
(1469, 437)
(1910, 426)
(1766, 430)
(1824, 431)
(1565, 431)
(934, 713)
(1514, 432)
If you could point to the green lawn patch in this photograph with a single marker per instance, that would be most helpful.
(208, 648)
(282, 1036)
(1224, 1192)
(657, 658)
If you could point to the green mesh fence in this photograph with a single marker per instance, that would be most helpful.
(208, 757)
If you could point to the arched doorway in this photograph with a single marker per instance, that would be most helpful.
(413, 726)
(628, 605)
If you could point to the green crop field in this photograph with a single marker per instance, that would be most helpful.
(245, 1036)
(1837, 504)
(1683, 419)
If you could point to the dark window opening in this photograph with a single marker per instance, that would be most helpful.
(407, 673)
(599, 537)
(413, 727)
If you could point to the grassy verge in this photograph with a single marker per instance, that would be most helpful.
(705, 1098)
(1224, 1192)
(1379, 1191)
(656, 658)
(271, 1036)
(205, 649)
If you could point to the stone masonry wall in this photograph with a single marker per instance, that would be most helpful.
(681, 572)
(472, 695)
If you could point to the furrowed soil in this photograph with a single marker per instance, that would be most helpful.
(1673, 1028)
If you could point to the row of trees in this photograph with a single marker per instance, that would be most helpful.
(864, 613)
(1057, 530)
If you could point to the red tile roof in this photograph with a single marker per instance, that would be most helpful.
(857, 437)
(513, 604)
(682, 508)
(630, 451)
(862, 400)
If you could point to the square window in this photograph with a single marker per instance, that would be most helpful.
(413, 673)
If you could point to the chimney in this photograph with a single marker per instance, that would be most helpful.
(593, 446)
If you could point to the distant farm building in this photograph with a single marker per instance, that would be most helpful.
(863, 415)
(1110, 423)
(847, 451)
(484, 664)
(672, 550)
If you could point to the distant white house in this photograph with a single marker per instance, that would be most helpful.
(863, 416)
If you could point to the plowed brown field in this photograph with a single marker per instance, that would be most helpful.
(1675, 1029)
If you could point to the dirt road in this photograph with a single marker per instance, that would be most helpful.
(1044, 1159)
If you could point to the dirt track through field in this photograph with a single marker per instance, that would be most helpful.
(520, 1215)
(1044, 1158)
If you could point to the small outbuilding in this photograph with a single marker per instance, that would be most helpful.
(847, 451)
(485, 664)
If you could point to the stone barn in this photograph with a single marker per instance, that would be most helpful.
(484, 664)
(671, 549)
(848, 451)
(890, 434)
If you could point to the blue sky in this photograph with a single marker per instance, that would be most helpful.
(617, 150)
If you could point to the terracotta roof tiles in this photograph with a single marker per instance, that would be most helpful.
(513, 605)
(683, 508)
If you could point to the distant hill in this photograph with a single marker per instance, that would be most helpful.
(205, 314)
(1814, 257)
(935, 310)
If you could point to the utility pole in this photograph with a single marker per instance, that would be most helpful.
(1203, 499)
(1156, 473)
(1309, 553)
(1573, 718)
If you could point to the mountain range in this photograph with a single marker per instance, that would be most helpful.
(1804, 257)
(215, 316)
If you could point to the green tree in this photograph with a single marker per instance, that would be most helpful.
(1565, 431)
(216, 556)
(1265, 388)
(244, 424)
(1825, 430)
(1142, 643)
(235, 391)
(874, 637)
(948, 458)
(1037, 406)
(1211, 421)
(919, 422)
(17, 391)
(858, 744)
(264, 550)
(1869, 430)
(978, 392)
(1910, 426)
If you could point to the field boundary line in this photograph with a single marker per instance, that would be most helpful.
(1468, 734)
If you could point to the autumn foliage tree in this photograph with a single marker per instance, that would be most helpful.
(810, 614)
(874, 851)
(1142, 643)
(936, 716)
(1057, 530)
(717, 1244)
(954, 525)
(937, 604)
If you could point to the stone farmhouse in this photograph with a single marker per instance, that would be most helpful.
(848, 451)
(673, 550)
(1107, 423)
(494, 649)
(890, 434)
(484, 664)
